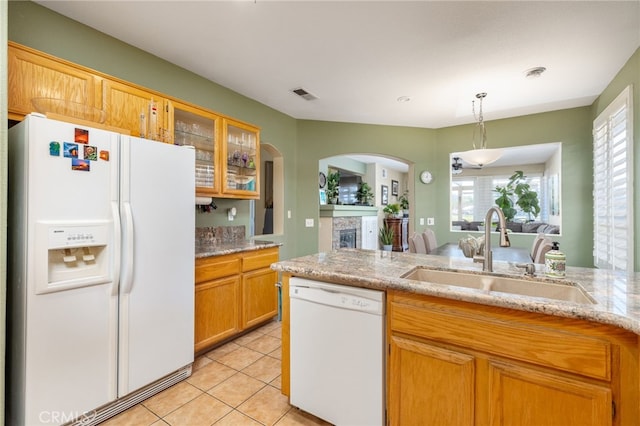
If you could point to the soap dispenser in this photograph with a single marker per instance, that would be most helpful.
(555, 261)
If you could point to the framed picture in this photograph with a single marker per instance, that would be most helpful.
(323, 197)
(394, 187)
(385, 195)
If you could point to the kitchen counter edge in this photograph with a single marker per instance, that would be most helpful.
(617, 294)
(203, 251)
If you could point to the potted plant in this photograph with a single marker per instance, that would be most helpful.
(333, 187)
(517, 188)
(404, 203)
(386, 238)
(365, 194)
(527, 199)
(392, 210)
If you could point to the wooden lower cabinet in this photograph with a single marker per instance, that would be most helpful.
(233, 292)
(451, 378)
(457, 363)
(525, 396)
(217, 306)
(259, 297)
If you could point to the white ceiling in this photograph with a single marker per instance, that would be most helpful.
(358, 57)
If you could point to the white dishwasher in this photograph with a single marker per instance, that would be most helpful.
(337, 352)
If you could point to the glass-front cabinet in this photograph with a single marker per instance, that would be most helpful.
(199, 129)
(240, 160)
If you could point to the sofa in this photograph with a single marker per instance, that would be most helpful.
(527, 227)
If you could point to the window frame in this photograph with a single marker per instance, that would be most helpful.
(610, 166)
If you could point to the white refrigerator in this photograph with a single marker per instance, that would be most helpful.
(101, 271)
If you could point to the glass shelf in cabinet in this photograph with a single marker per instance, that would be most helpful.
(199, 141)
(204, 155)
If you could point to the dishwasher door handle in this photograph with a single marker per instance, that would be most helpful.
(336, 299)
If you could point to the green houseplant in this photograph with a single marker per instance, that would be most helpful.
(365, 194)
(527, 199)
(386, 235)
(517, 188)
(404, 202)
(333, 187)
(391, 210)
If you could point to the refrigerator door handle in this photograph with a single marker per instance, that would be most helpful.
(128, 241)
(117, 248)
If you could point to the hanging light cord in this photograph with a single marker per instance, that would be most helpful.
(480, 125)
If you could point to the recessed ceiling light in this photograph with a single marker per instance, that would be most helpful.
(403, 99)
(534, 72)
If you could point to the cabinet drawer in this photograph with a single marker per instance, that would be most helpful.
(515, 337)
(259, 259)
(214, 267)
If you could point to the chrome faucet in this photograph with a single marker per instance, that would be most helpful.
(487, 259)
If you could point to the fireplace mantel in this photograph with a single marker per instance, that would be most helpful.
(335, 218)
(339, 210)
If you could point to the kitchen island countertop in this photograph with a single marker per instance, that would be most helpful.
(617, 294)
(208, 250)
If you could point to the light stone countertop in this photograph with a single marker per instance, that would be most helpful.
(617, 294)
(209, 250)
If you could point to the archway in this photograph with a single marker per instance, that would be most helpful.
(267, 213)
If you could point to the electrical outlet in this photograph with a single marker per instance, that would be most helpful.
(308, 223)
(431, 221)
(422, 221)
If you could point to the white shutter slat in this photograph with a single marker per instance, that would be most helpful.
(613, 185)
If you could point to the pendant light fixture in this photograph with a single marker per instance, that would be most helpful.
(480, 155)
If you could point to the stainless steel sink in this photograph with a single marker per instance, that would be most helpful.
(569, 292)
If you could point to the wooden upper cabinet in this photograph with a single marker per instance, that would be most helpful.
(34, 75)
(125, 106)
(240, 160)
(227, 150)
(195, 127)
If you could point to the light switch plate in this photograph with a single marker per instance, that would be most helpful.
(308, 223)
(431, 221)
(422, 221)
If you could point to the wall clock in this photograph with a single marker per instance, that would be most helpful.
(322, 180)
(426, 177)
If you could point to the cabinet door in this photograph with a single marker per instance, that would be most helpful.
(33, 76)
(194, 127)
(259, 296)
(125, 106)
(527, 397)
(216, 311)
(240, 160)
(369, 232)
(429, 385)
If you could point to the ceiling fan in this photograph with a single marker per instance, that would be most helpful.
(457, 166)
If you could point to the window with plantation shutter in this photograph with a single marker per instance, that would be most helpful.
(613, 185)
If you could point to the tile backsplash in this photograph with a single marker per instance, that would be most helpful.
(213, 235)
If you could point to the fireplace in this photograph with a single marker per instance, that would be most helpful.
(348, 238)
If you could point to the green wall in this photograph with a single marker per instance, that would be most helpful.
(572, 128)
(629, 74)
(429, 149)
(50, 32)
(303, 143)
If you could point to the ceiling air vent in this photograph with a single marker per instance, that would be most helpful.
(304, 94)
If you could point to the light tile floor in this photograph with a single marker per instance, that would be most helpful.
(233, 385)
